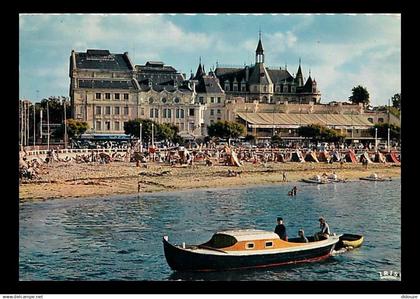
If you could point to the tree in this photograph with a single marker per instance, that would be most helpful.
(225, 129)
(249, 138)
(75, 128)
(55, 109)
(160, 131)
(394, 133)
(360, 95)
(319, 132)
(396, 101)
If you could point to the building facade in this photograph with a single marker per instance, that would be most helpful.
(267, 85)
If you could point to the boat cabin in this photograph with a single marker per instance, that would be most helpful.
(250, 239)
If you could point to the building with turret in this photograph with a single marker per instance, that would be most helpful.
(267, 85)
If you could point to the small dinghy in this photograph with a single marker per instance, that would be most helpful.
(349, 241)
(315, 180)
(245, 249)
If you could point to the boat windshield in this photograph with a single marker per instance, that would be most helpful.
(221, 241)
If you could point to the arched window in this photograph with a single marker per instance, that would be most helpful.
(380, 120)
(370, 119)
(164, 100)
(151, 100)
(176, 100)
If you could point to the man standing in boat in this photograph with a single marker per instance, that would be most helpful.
(325, 229)
(281, 229)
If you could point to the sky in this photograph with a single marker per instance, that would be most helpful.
(341, 51)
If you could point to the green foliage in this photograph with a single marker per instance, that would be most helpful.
(359, 95)
(396, 101)
(225, 129)
(161, 131)
(394, 133)
(55, 109)
(319, 132)
(75, 128)
(249, 138)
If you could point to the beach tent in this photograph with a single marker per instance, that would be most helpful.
(379, 158)
(323, 156)
(392, 157)
(336, 156)
(297, 157)
(351, 157)
(280, 158)
(234, 161)
(311, 157)
(365, 156)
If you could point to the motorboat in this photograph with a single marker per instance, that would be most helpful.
(245, 249)
(374, 177)
(315, 180)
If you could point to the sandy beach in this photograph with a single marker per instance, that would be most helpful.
(62, 180)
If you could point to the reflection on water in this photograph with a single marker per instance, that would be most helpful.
(120, 238)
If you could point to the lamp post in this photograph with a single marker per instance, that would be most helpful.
(153, 143)
(65, 124)
(141, 137)
(388, 143)
(376, 139)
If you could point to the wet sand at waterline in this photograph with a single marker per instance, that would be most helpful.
(62, 180)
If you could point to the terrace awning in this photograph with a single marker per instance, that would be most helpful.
(294, 121)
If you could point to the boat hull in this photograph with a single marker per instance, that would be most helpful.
(180, 259)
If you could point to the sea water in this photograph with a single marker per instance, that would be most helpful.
(120, 237)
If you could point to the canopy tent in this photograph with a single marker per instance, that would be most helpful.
(392, 157)
(311, 157)
(297, 157)
(380, 158)
(295, 120)
(323, 156)
(365, 156)
(351, 157)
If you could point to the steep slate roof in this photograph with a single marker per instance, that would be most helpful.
(259, 47)
(259, 75)
(277, 76)
(102, 60)
(208, 84)
(107, 84)
(231, 74)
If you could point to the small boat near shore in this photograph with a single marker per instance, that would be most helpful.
(349, 241)
(315, 180)
(245, 249)
(375, 178)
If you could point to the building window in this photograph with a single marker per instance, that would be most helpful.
(243, 87)
(219, 119)
(108, 125)
(212, 100)
(169, 113)
(165, 115)
(370, 119)
(227, 85)
(211, 121)
(219, 100)
(126, 96)
(380, 120)
(125, 125)
(211, 111)
(218, 111)
(151, 100)
(117, 126)
(151, 112)
(98, 110)
(249, 245)
(164, 100)
(117, 110)
(191, 111)
(235, 86)
(107, 110)
(191, 127)
(314, 90)
(142, 111)
(201, 100)
(108, 96)
(117, 96)
(156, 113)
(98, 125)
(98, 96)
(125, 110)
(182, 113)
(176, 100)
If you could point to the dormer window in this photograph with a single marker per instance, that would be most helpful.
(227, 85)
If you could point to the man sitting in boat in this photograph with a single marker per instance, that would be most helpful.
(324, 233)
(302, 238)
(281, 229)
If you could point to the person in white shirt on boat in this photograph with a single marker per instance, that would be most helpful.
(324, 233)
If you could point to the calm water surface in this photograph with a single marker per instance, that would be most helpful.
(120, 238)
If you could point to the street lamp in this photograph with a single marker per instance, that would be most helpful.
(388, 144)
(65, 124)
(141, 137)
(153, 143)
